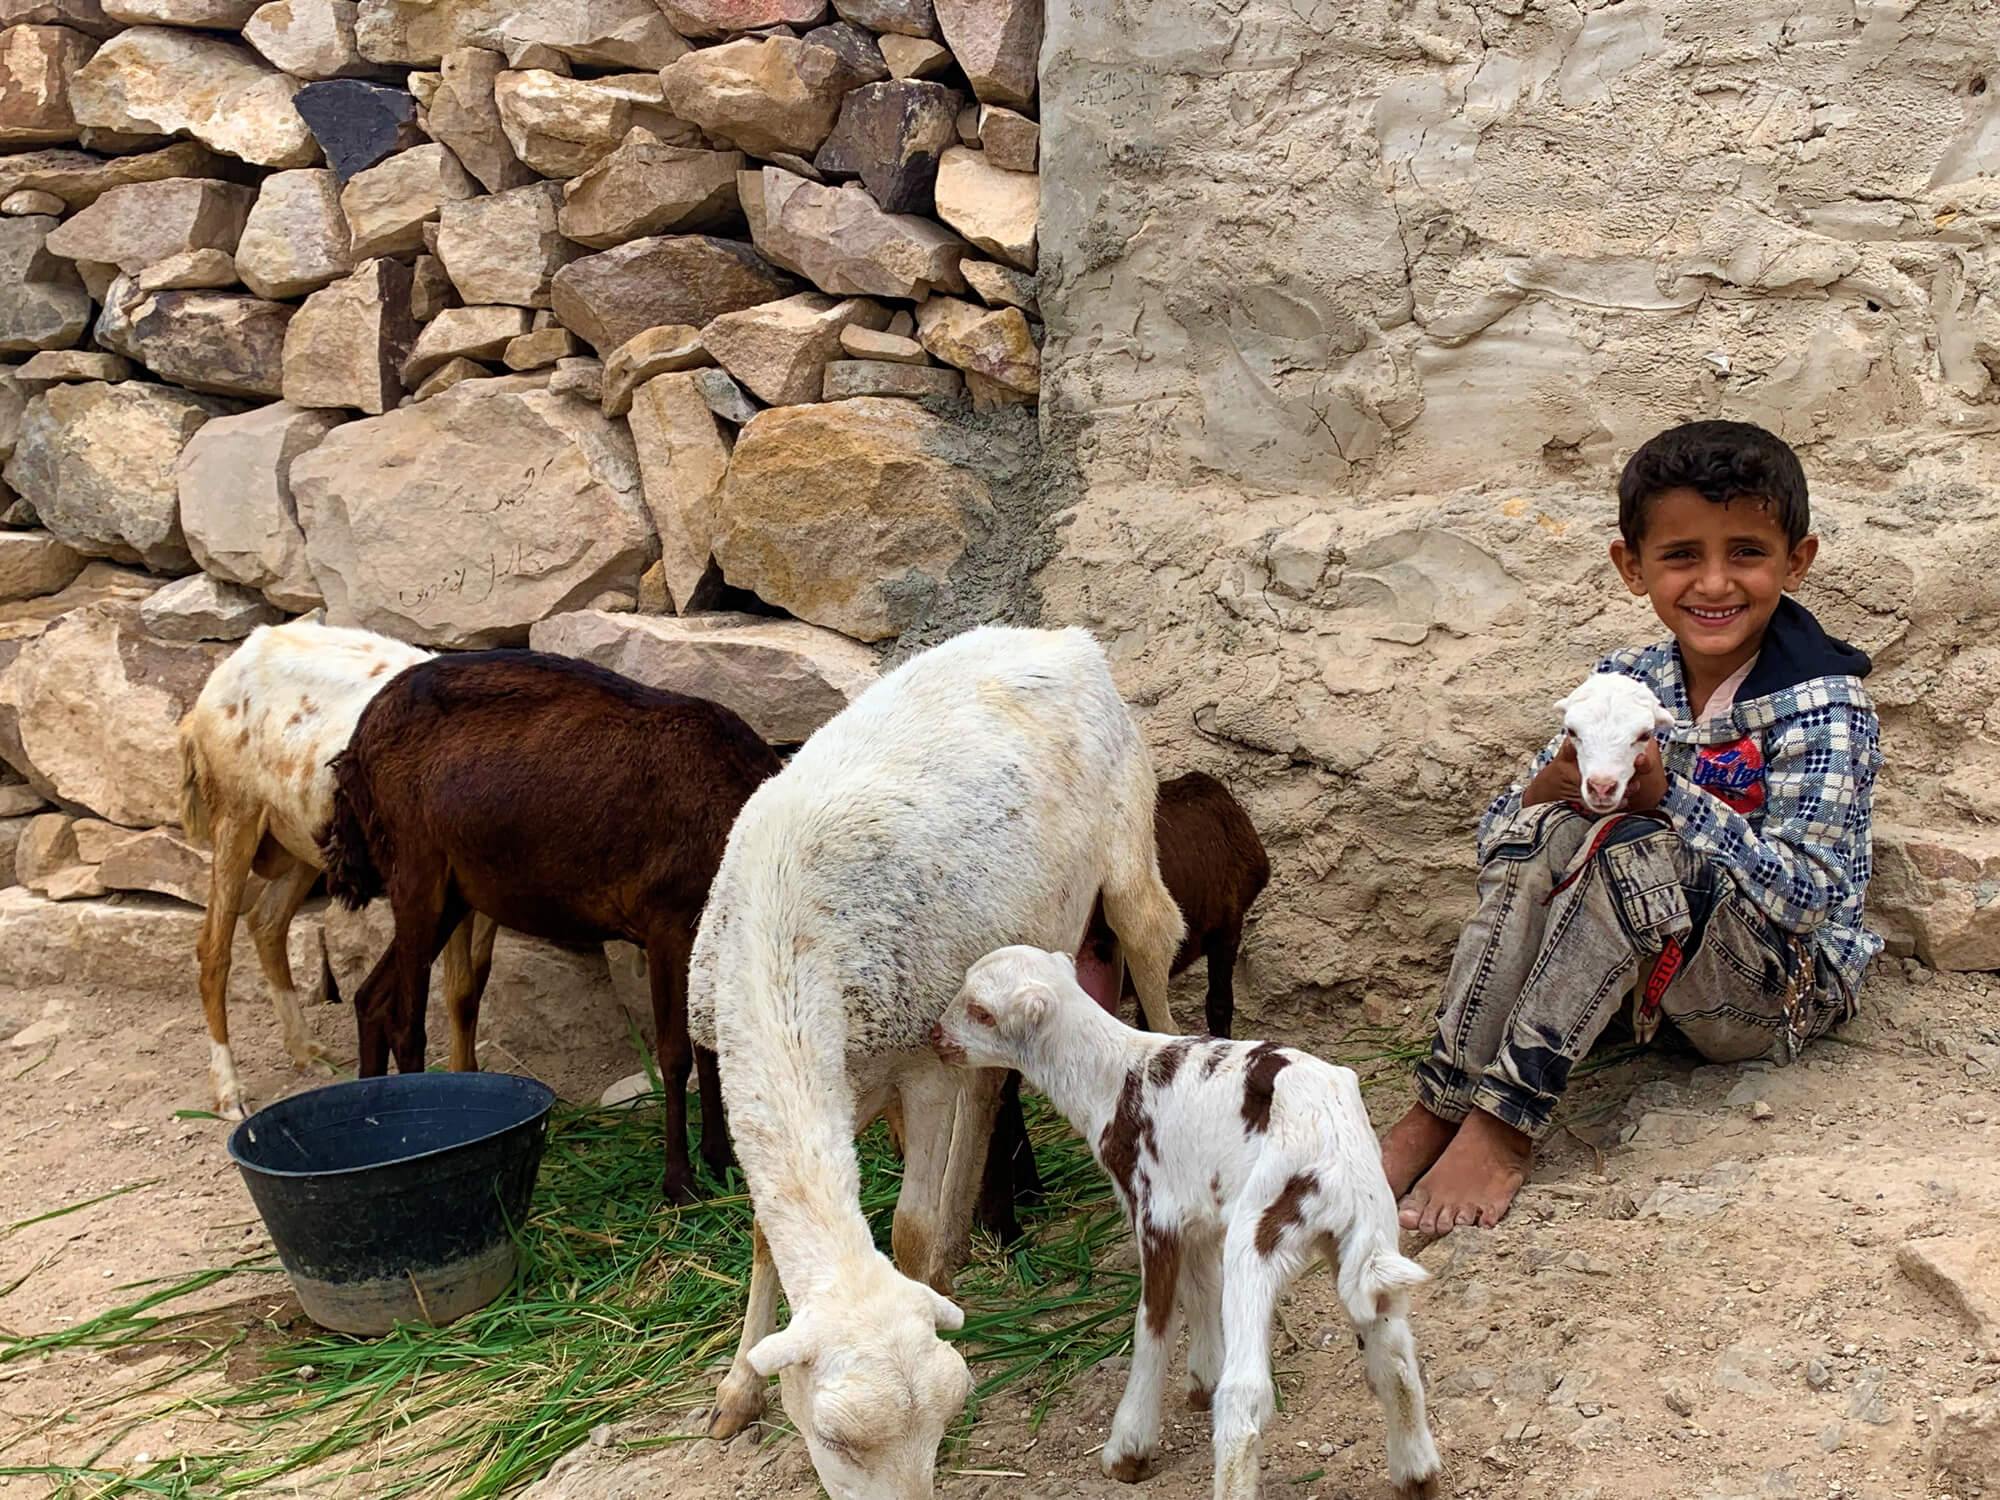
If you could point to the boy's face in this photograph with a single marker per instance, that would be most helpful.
(1714, 573)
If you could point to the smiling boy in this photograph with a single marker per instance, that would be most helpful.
(1730, 882)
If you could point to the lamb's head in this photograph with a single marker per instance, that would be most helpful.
(869, 1384)
(1007, 1000)
(1609, 719)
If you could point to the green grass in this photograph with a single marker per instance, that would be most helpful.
(621, 1309)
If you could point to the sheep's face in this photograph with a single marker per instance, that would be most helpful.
(1609, 719)
(871, 1386)
(1001, 1008)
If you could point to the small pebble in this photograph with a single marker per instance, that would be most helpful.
(1818, 1375)
(1759, 1110)
(1679, 1402)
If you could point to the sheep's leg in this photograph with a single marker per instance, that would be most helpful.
(233, 840)
(1149, 928)
(1221, 949)
(739, 1400)
(1201, 1300)
(374, 1015)
(1135, 1430)
(468, 962)
(716, 1149)
(1382, 1323)
(270, 928)
(1251, 1282)
(1010, 1178)
(427, 910)
(947, 1124)
(667, 951)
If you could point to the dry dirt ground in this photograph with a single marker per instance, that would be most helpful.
(1700, 1295)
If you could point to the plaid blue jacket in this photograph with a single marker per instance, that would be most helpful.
(1802, 857)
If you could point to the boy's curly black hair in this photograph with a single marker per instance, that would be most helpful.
(1723, 461)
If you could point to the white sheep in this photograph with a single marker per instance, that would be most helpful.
(983, 793)
(255, 786)
(1609, 718)
(1238, 1164)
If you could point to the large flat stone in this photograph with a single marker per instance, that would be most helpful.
(214, 15)
(34, 563)
(223, 343)
(86, 16)
(706, 18)
(647, 187)
(462, 114)
(505, 247)
(770, 95)
(848, 378)
(846, 514)
(600, 33)
(160, 861)
(998, 43)
(786, 678)
(155, 79)
(97, 463)
(562, 127)
(97, 702)
(36, 65)
(310, 39)
(683, 456)
(996, 210)
(461, 521)
(201, 608)
(43, 304)
(79, 178)
(472, 333)
(779, 350)
(1962, 1272)
(994, 344)
(1932, 890)
(237, 512)
(899, 17)
(388, 205)
(607, 298)
(295, 240)
(840, 239)
(347, 345)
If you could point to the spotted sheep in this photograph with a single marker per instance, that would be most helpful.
(256, 788)
(1238, 1164)
(1609, 718)
(984, 792)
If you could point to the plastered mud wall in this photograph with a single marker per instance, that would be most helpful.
(1355, 308)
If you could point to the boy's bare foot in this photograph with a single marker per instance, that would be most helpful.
(1474, 1181)
(1413, 1145)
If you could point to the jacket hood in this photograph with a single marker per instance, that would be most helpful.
(1797, 649)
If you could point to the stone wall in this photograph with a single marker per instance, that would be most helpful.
(1354, 310)
(698, 338)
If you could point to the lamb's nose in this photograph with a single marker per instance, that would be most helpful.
(1601, 788)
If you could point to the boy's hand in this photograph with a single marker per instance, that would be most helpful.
(1559, 780)
(1648, 787)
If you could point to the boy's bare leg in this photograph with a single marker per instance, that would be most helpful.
(1474, 1181)
(1413, 1145)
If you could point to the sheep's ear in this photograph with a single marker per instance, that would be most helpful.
(795, 1344)
(1031, 1004)
(945, 1313)
(1663, 717)
(1563, 702)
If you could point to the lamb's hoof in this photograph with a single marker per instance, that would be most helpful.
(1425, 1487)
(1129, 1469)
(1200, 1398)
(234, 1113)
(678, 1187)
(733, 1417)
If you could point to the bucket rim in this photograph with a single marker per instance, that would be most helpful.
(516, 1082)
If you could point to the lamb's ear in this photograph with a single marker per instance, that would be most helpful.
(945, 1313)
(1562, 703)
(1663, 717)
(1025, 1011)
(794, 1344)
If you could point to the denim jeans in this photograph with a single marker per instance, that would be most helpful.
(1572, 910)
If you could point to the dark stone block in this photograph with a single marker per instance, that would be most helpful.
(357, 124)
(890, 135)
(855, 47)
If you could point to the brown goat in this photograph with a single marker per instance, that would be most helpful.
(561, 800)
(1215, 867)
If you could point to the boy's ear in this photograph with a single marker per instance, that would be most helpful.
(1800, 561)
(1626, 561)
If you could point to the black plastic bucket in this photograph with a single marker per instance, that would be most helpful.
(389, 1199)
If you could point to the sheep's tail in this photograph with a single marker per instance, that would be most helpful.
(194, 806)
(347, 843)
